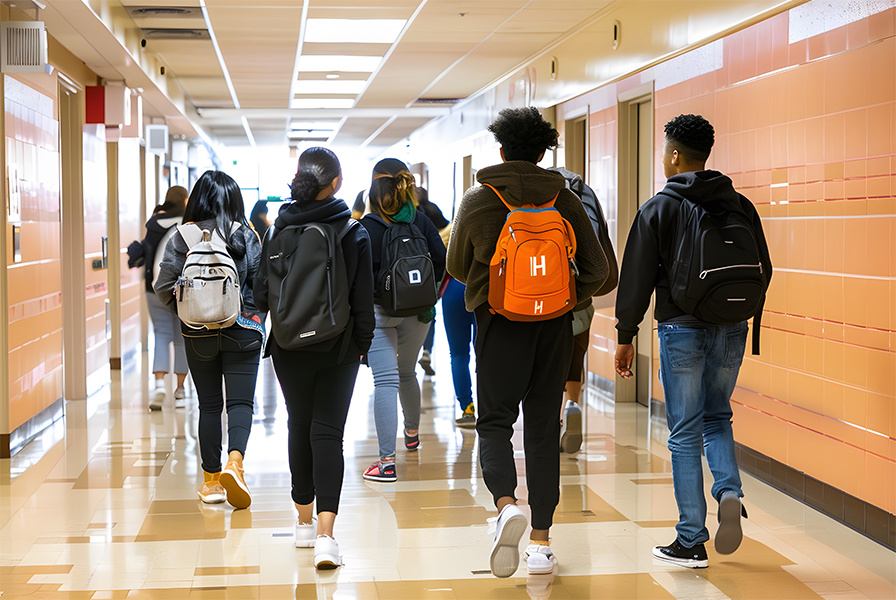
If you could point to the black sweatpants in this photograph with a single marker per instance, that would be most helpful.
(522, 362)
(231, 354)
(318, 392)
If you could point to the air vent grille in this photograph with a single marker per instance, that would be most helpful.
(437, 100)
(176, 34)
(164, 12)
(23, 45)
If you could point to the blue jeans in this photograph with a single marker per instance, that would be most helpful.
(393, 361)
(698, 370)
(460, 328)
(166, 330)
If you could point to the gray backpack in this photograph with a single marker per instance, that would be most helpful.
(208, 289)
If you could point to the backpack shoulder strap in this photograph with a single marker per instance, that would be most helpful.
(500, 197)
(191, 233)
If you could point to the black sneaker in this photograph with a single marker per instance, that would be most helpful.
(675, 553)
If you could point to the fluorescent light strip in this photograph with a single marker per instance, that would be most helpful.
(326, 63)
(389, 52)
(303, 25)
(230, 88)
(321, 103)
(354, 31)
(321, 86)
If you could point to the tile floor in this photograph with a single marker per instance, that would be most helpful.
(104, 506)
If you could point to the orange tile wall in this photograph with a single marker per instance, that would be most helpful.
(807, 131)
(35, 284)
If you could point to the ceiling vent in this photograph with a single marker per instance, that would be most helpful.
(438, 101)
(164, 12)
(176, 34)
(23, 46)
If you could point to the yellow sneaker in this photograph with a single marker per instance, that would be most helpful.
(235, 485)
(211, 491)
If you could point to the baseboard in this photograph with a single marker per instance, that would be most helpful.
(857, 514)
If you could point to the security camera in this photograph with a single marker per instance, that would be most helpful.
(143, 43)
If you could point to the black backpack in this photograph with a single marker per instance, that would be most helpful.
(598, 223)
(716, 272)
(406, 282)
(308, 292)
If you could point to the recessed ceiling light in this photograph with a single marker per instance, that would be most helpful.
(353, 31)
(338, 62)
(332, 75)
(321, 103)
(321, 86)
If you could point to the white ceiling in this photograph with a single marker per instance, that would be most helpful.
(447, 50)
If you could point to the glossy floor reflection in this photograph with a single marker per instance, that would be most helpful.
(104, 506)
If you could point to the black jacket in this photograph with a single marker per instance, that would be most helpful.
(156, 228)
(357, 254)
(377, 229)
(652, 239)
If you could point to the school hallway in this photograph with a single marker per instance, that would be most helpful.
(103, 506)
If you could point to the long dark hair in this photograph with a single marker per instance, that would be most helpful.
(318, 167)
(175, 202)
(392, 187)
(217, 196)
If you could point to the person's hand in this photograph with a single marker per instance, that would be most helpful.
(625, 353)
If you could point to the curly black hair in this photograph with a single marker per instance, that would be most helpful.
(523, 133)
(694, 133)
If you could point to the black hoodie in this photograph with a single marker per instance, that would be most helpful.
(652, 238)
(355, 250)
(156, 228)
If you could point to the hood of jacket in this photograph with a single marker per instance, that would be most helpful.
(313, 211)
(711, 189)
(161, 222)
(521, 182)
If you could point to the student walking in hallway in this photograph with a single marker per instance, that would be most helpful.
(521, 362)
(316, 370)
(230, 354)
(398, 337)
(700, 357)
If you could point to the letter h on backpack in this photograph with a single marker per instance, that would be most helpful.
(532, 272)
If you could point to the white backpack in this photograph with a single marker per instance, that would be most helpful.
(208, 289)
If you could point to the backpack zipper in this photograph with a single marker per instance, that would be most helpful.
(706, 272)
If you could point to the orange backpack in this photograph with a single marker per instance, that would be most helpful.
(532, 272)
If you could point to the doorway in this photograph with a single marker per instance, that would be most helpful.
(636, 150)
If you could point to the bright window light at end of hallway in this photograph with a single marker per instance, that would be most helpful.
(321, 103)
(319, 86)
(338, 62)
(353, 31)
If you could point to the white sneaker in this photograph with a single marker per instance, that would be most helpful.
(306, 533)
(179, 396)
(157, 395)
(505, 557)
(326, 553)
(571, 430)
(540, 560)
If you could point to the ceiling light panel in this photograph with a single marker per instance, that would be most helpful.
(324, 86)
(330, 63)
(321, 103)
(313, 125)
(353, 31)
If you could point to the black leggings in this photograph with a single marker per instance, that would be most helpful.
(231, 354)
(318, 392)
(522, 363)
